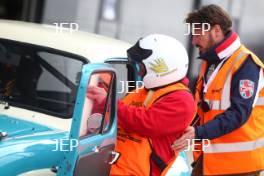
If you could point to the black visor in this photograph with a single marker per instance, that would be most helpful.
(138, 54)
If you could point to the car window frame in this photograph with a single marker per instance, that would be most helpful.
(112, 100)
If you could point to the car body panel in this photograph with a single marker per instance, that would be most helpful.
(19, 127)
(29, 152)
(37, 118)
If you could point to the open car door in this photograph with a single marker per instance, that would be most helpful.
(93, 131)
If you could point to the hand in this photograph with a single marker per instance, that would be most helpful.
(182, 143)
(96, 93)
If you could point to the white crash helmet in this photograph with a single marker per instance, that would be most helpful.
(165, 59)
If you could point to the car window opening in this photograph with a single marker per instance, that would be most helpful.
(38, 78)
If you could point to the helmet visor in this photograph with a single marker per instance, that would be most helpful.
(138, 54)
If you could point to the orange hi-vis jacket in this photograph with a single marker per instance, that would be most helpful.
(242, 150)
(135, 150)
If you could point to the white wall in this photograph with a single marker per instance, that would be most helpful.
(138, 18)
(56, 11)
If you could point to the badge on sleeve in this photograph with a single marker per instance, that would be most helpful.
(246, 88)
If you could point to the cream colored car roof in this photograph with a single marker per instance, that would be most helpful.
(93, 47)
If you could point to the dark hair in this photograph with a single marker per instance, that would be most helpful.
(213, 15)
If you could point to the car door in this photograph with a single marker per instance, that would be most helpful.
(93, 132)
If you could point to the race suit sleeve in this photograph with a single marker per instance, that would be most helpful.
(170, 114)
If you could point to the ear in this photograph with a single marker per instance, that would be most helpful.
(218, 31)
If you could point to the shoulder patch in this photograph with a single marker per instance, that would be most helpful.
(246, 88)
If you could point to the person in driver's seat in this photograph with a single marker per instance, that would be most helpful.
(7, 79)
(150, 119)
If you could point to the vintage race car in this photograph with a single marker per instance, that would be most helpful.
(48, 126)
